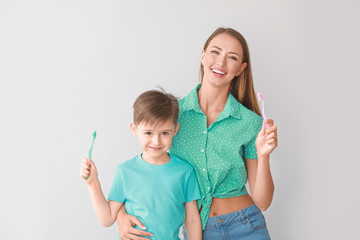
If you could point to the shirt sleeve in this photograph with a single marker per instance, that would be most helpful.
(192, 191)
(117, 190)
(250, 151)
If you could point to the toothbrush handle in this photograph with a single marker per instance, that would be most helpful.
(90, 154)
(91, 149)
(263, 114)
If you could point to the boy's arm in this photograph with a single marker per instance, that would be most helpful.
(192, 221)
(105, 210)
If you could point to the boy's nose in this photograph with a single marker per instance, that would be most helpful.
(156, 139)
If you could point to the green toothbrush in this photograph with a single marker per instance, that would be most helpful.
(92, 145)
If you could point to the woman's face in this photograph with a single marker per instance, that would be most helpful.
(222, 60)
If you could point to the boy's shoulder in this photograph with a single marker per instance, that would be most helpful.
(128, 163)
(181, 162)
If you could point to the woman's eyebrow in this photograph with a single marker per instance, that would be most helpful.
(229, 52)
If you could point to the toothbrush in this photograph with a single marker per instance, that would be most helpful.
(260, 97)
(91, 148)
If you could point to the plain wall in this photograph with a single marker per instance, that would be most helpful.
(69, 67)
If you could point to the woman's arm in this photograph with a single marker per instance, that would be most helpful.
(259, 174)
(192, 221)
(126, 223)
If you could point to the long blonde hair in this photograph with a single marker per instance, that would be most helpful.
(242, 87)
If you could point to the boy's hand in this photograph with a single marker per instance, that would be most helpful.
(88, 171)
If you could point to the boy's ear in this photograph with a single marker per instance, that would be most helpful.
(177, 128)
(133, 128)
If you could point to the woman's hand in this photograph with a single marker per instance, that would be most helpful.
(126, 224)
(88, 171)
(266, 140)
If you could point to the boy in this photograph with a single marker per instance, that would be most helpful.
(157, 187)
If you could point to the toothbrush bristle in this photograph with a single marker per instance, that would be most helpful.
(260, 96)
(94, 134)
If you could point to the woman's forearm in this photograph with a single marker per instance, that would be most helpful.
(263, 189)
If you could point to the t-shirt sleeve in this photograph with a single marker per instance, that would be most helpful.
(192, 191)
(117, 190)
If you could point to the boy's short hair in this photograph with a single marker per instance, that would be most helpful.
(156, 106)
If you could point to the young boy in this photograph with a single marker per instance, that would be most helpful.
(157, 187)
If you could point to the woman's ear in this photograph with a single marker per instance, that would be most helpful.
(202, 56)
(133, 128)
(243, 66)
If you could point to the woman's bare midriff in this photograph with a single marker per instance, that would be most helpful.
(220, 206)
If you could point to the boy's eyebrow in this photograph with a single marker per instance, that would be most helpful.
(229, 52)
(161, 130)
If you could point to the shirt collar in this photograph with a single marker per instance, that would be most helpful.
(232, 107)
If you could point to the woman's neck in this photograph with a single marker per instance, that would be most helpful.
(212, 99)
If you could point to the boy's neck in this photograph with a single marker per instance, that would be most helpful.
(161, 160)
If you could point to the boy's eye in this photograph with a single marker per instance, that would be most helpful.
(165, 133)
(147, 133)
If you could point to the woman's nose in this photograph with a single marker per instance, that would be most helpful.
(222, 60)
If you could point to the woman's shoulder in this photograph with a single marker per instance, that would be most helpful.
(251, 117)
(190, 101)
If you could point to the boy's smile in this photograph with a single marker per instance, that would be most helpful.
(155, 140)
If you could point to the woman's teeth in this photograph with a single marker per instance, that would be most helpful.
(218, 72)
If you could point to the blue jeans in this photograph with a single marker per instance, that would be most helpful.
(245, 224)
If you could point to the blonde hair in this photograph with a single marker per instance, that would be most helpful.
(156, 106)
(242, 87)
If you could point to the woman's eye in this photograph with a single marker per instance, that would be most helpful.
(215, 52)
(233, 58)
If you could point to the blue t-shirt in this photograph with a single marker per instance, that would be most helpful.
(156, 194)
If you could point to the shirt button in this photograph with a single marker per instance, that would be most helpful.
(202, 150)
(204, 132)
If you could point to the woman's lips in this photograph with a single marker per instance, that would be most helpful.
(218, 72)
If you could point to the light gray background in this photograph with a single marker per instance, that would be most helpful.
(68, 67)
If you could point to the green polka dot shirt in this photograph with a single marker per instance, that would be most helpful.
(217, 152)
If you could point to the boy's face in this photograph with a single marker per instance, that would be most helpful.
(155, 140)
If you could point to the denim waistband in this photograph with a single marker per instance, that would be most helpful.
(241, 215)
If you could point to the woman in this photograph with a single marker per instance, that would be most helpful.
(223, 136)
